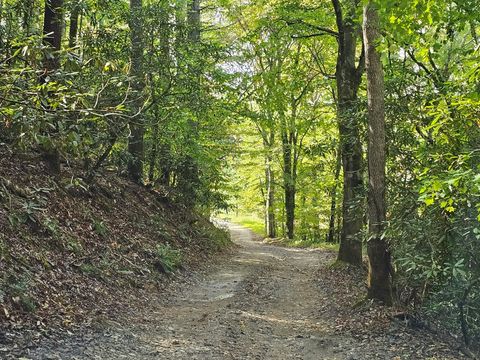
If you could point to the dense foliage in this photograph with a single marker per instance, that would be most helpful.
(87, 107)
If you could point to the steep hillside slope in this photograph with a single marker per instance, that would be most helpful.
(70, 249)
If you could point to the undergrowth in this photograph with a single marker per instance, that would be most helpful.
(168, 258)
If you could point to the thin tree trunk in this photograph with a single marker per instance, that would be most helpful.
(348, 78)
(159, 154)
(270, 190)
(137, 126)
(379, 273)
(52, 32)
(188, 175)
(154, 151)
(289, 184)
(333, 207)
(165, 166)
(271, 225)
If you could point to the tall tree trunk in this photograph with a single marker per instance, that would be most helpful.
(348, 78)
(52, 32)
(379, 270)
(188, 174)
(270, 221)
(154, 151)
(160, 154)
(289, 185)
(333, 206)
(270, 224)
(52, 38)
(270, 205)
(137, 127)
(165, 166)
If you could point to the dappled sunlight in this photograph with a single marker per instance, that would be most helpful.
(295, 323)
(249, 261)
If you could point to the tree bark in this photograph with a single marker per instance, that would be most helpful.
(154, 151)
(270, 224)
(160, 153)
(52, 39)
(333, 207)
(289, 186)
(52, 31)
(348, 78)
(379, 270)
(188, 174)
(137, 127)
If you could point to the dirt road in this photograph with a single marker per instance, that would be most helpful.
(263, 303)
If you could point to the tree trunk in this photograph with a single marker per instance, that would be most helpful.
(289, 186)
(188, 174)
(52, 32)
(137, 127)
(379, 270)
(270, 205)
(333, 207)
(159, 153)
(165, 166)
(154, 151)
(348, 78)
(270, 225)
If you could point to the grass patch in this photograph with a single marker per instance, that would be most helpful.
(338, 265)
(253, 223)
(256, 224)
(17, 288)
(3, 249)
(298, 243)
(91, 270)
(168, 258)
(216, 238)
(99, 227)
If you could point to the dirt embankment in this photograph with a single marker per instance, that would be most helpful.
(71, 252)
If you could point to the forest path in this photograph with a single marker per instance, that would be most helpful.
(263, 303)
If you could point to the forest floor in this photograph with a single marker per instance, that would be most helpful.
(260, 301)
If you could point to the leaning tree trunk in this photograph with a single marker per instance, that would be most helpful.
(52, 39)
(379, 275)
(137, 127)
(348, 78)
